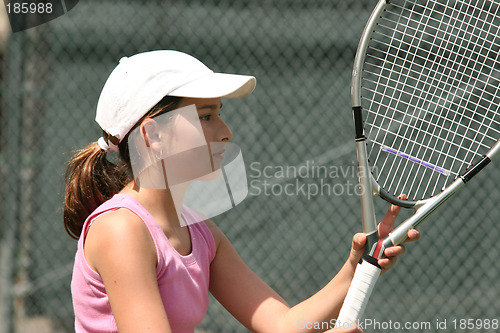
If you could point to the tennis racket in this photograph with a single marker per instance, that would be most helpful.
(425, 98)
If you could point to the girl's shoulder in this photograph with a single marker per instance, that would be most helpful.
(120, 215)
(118, 232)
(120, 220)
(217, 233)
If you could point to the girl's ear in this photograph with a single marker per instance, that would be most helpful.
(150, 133)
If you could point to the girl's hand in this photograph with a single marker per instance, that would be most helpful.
(384, 228)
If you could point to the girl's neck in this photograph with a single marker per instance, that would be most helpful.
(165, 205)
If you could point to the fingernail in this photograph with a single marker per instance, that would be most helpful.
(383, 262)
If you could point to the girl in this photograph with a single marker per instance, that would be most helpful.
(145, 265)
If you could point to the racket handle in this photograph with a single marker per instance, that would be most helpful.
(365, 277)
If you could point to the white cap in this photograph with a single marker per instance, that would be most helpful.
(139, 82)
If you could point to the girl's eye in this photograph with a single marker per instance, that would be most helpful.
(208, 117)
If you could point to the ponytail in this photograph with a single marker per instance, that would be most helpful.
(90, 180)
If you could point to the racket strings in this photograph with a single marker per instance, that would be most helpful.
(423, 95)
(431, 85)
(455, 131)
(406, 133)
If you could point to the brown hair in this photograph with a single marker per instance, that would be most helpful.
(91, 178)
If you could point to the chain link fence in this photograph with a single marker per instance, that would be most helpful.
(295, 227)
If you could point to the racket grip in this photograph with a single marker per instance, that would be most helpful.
(365, 277)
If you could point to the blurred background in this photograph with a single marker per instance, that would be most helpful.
(295, 227)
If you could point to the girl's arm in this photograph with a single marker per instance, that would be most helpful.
(257, 306)
(261, 309)
(119, 247)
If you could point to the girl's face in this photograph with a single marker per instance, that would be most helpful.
(190, 140)
(190, 146)
(215, 130)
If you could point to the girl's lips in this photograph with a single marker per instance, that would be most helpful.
(219, 155)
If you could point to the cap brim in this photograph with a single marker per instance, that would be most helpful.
(217, 85)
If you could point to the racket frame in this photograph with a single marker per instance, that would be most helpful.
(366, 181)
(369, 186)
(368, 270)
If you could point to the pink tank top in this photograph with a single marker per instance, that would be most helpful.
(183, 280)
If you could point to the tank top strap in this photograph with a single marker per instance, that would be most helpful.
(121, 201)
(126, 201)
